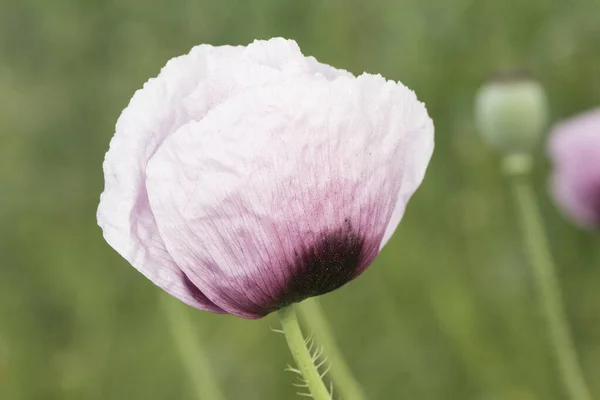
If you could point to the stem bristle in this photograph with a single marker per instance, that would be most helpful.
(305, 352)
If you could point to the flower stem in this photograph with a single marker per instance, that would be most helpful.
(192, 357)
(303, 358)
(312, 314)
(540, 258)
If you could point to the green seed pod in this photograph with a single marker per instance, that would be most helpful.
(511, 112)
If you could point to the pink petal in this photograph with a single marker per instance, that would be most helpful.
(574, 147)
(288, 191)
(185, 90)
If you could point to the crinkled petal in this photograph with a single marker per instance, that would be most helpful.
(185, 90)
(124, 213)
(286, 192)
(415, 155)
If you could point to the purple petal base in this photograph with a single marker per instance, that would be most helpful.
(327, 265)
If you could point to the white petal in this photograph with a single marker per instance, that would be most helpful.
(238, 194)
(416, 153)
(185, 90)
(124, 215)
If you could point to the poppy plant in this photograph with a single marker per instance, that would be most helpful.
(511, 114)
(243, 179)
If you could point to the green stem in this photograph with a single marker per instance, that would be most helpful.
(540, 258)
(312, 314)
(192, 357)
(303, 358)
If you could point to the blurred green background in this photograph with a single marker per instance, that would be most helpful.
(448, 309)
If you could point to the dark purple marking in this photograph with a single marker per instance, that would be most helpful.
(325, 266)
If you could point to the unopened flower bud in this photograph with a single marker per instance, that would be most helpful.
(510, 112)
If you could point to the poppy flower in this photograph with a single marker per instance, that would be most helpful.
(574, 149)
(243, 179)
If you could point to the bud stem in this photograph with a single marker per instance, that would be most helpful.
(191, 354)
(303, 358)
(548, 289)
(312, 313)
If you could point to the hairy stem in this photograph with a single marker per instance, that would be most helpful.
(312, 313)
(303, 358)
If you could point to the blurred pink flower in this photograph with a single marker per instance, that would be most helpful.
(575, 151)
(243, 179)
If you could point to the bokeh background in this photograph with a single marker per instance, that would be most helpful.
(448, 310)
